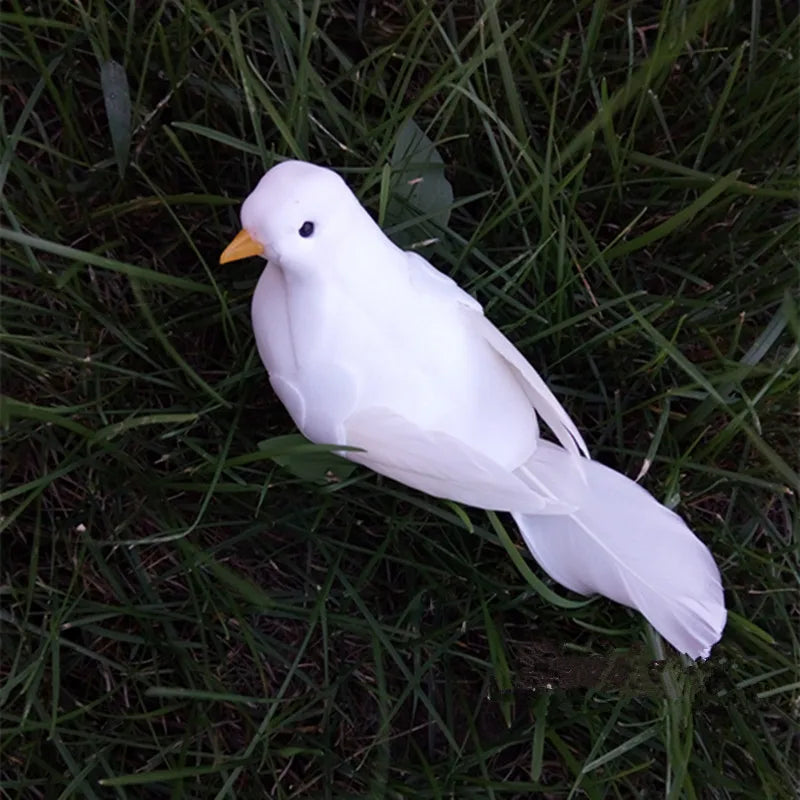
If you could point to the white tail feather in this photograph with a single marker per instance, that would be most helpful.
(623, 544)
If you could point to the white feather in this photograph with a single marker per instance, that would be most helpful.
(439, 464)
(432, 282)
(543, 400)
(625, 545)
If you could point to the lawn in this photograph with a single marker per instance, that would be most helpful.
(195, 603)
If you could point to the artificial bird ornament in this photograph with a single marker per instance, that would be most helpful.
(371, 347)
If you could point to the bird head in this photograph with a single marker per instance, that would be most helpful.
(296, 216)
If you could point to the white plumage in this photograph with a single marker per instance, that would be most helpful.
(370, 346)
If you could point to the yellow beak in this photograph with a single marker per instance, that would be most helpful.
(242, 246)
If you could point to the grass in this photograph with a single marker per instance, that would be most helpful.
(185, 614)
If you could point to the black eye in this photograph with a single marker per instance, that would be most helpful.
(306, 229)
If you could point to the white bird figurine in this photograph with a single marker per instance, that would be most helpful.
(370, 346)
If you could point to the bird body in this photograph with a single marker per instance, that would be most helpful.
(370, 347)
(428, 363)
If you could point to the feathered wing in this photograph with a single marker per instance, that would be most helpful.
(622, 543)
(440, 464)
(542, 399)
(433, 282)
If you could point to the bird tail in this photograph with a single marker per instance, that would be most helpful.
(622, 543)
